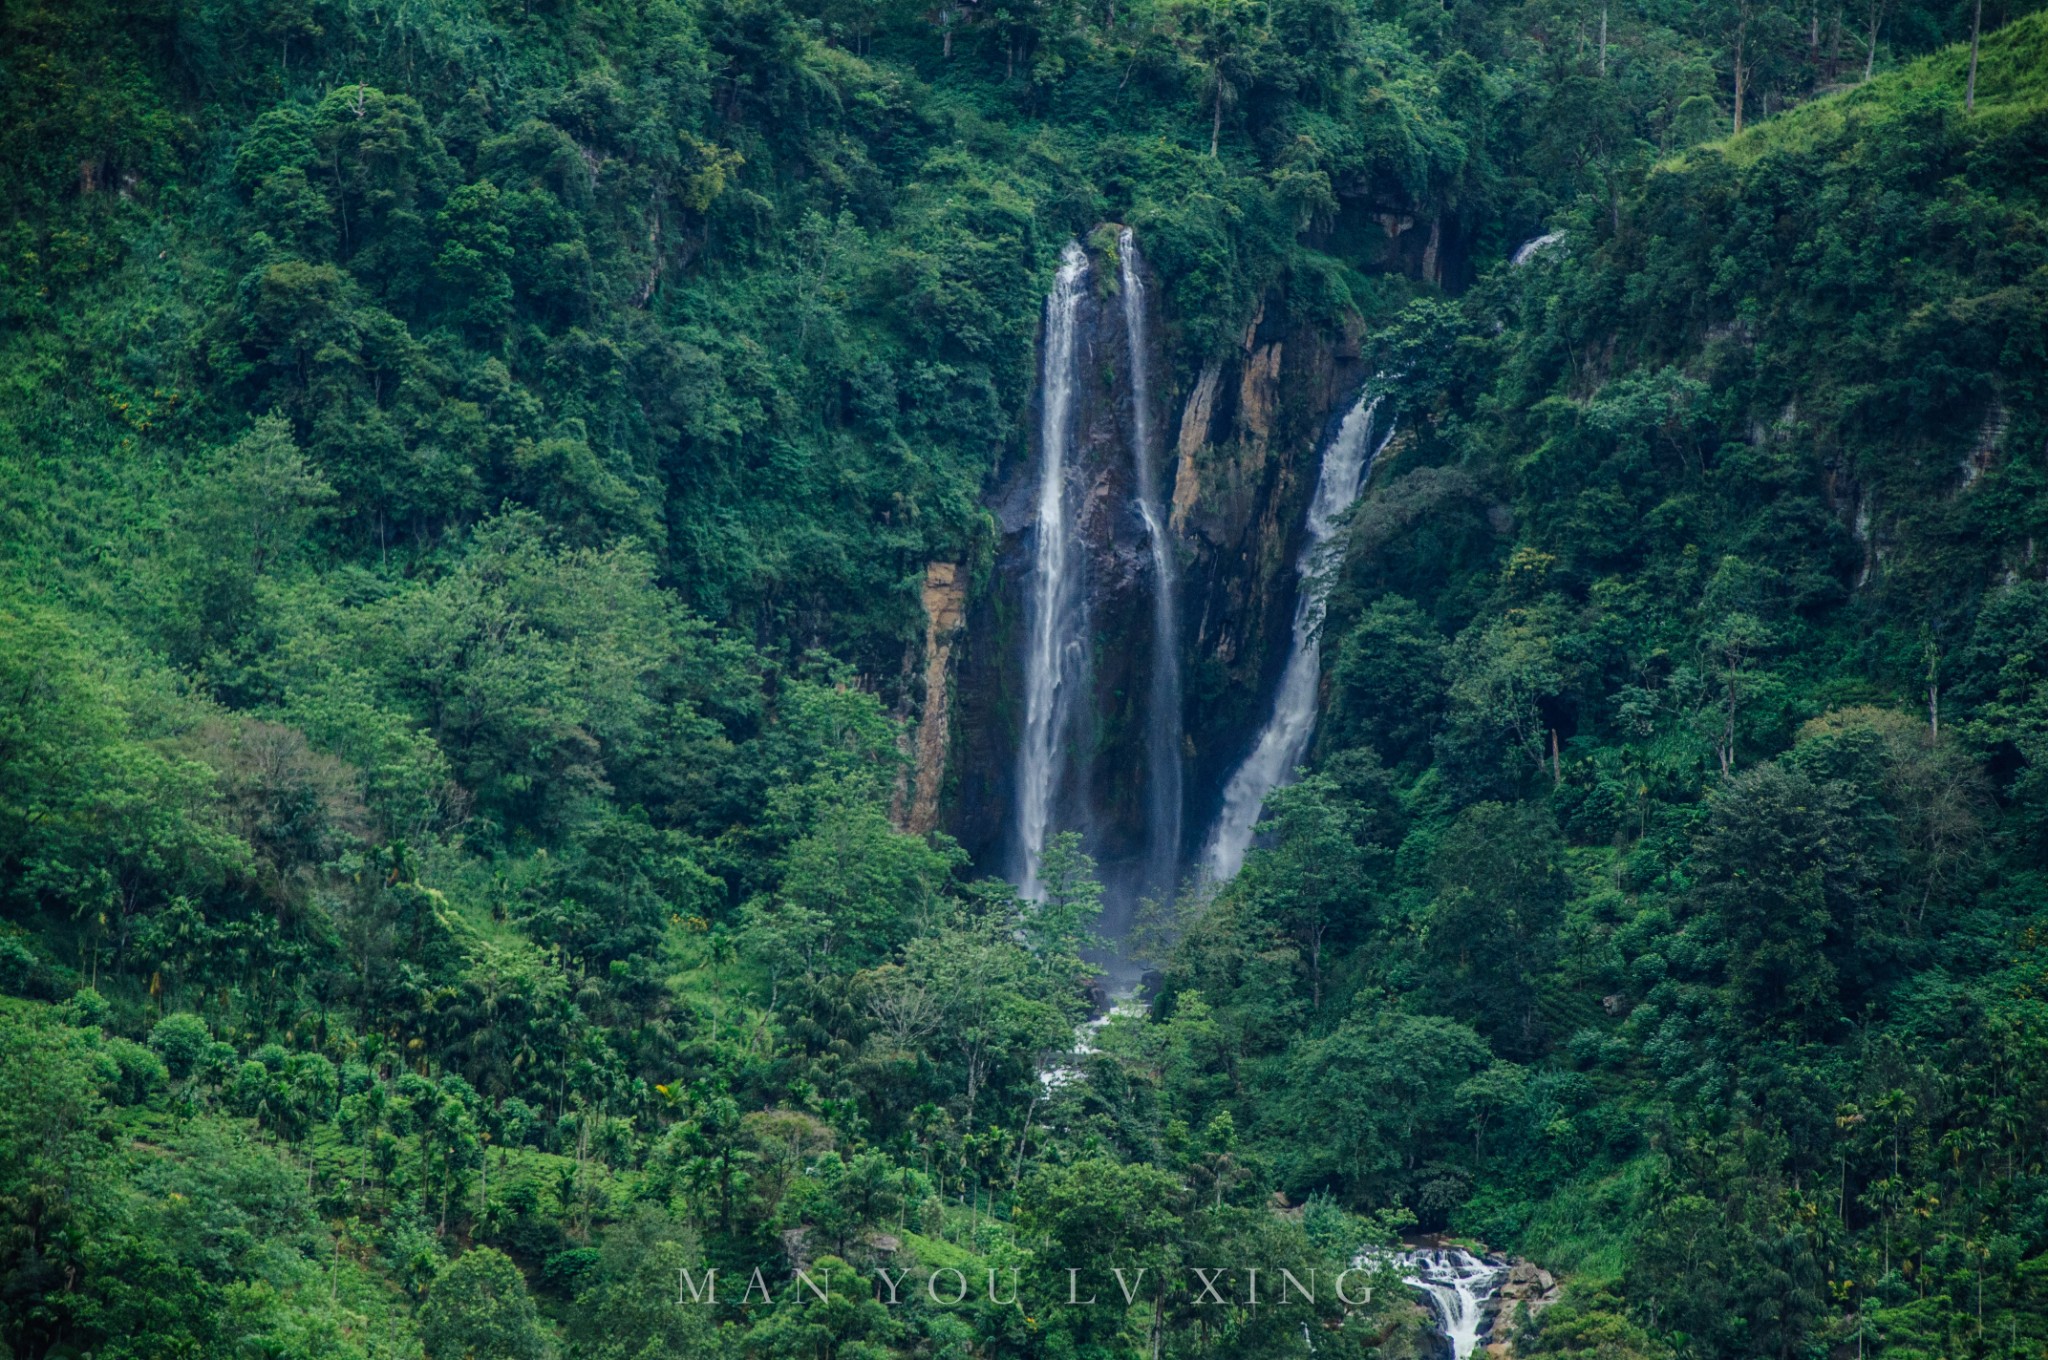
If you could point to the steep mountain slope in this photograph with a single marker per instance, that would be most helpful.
(1681, 739)
(476, 483)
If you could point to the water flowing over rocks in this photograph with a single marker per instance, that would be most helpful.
(1067, 1067)
(1529, 250)
(1283, 742)
(1251, 432)
(1054, 659)
(1460, 1288)
(1477, 1302)
(1163, 795)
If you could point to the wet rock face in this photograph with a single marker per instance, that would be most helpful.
(945, 598)
(1236, 464)
(1099, 789)
(1248, 431)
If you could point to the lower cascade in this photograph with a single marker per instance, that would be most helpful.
(1459, 1286)
(1464, 1291)
(1067, 1066)
(1529, 249)
(1347, 460)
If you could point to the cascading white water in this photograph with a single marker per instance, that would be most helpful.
(1162, 717)
(1284, 741)
(1053, 643)
(1527, 251)
(1459, 1285)
(1067, 1068)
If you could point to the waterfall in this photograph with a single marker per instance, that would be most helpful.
(1162, 716)
(1528, 250)
(1066, 1068)
(1347, 458)
(1053, 645)
(1459, 1286)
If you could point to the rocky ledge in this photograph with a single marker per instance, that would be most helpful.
(1521, 1299)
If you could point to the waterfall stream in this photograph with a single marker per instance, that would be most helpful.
(1162, 708)
(1529, 249)
(1067, 1067)
(1053, 655)
(1459, 1286)
(1347, 459)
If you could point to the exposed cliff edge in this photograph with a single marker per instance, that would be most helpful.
(945, 600)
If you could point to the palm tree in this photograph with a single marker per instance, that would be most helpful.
(1220, 36)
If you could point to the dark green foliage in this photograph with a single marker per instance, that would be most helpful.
(466, 475)
(1492, 925)
(1727, 753)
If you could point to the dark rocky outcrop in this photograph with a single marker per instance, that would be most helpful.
(1528, 1290)
(945, 600)
(1244, 469)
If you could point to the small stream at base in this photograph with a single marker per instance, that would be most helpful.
(1461, 1288)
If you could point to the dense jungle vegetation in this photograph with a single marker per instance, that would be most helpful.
(466, 472)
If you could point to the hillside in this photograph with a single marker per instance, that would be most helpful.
(518, 544)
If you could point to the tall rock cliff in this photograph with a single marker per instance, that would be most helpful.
(1239, 436)
(1248, 432)
(1099, 787)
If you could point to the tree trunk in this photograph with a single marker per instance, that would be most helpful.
(1603, 42)
(1023, 1134)
(1728, 730)
(1741, 36)
(1216, 123)
(1870, 51)
(1976, 29)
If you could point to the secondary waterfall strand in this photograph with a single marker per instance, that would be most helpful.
(1162, 717)
(1053, 645)
(1284, 740)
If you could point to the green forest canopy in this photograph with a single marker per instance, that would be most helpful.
(467, 473)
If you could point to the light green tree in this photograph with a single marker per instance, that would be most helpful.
(478, 1309)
